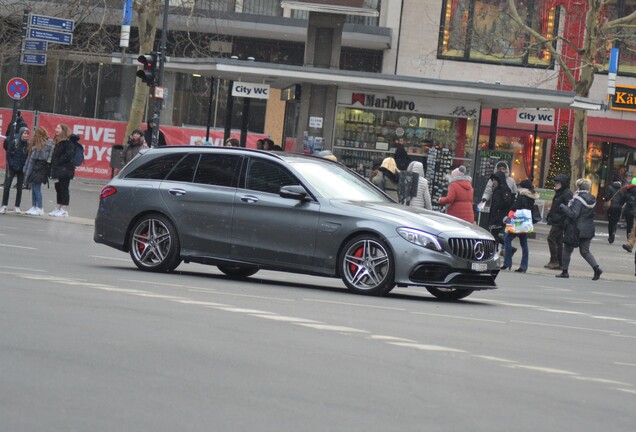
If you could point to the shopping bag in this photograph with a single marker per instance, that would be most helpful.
(521, 223)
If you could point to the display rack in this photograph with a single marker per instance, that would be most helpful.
(438, 166)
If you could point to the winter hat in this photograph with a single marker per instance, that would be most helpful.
(459, 171)
(22, 130)
(526, 184)
(138, 131)
(501, 164)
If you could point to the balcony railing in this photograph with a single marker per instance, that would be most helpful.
(272, 8)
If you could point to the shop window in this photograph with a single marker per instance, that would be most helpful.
(625, 38)
(76, 90)
(484, 31)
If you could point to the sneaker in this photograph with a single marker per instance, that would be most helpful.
(39, 212)
(3, 209)
(61, 213)
(30, 211)
(55, 212)
(17, 210)
(627, 247)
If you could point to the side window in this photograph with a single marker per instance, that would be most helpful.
(266, 176)
(184, 170)
(217, 169)
(156, 169)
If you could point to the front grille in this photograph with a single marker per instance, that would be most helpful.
(465, 248)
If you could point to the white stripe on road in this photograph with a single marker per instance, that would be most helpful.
(390, 338)
(354, 304)
(23, 268)
(625, 364)
(543, 369)
(17, 246)
(335, 328)
(564, 326)
(425, 347)
(109, 258)
(459, 317)
(240, 295)
(562, 311)
(276, 317)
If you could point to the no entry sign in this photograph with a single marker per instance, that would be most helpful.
(17, 88)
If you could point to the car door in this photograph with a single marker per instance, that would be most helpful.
(200, 193)
(270, 229)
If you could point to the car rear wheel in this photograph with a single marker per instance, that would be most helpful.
(367, 266)
(154, 244)
(238, 272)
(450, 293)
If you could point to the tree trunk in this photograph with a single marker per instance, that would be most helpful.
(148, 12)
(579, 146)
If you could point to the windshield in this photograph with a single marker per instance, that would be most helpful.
(337, 182)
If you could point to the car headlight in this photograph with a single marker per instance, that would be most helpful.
(420, 238)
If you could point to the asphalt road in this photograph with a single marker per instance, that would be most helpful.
(88, 342)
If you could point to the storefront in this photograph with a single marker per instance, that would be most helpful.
(370, 126)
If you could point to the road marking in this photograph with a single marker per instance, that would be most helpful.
(17, 246)
(495, 359)
(335, 328)
(354, 304)
(543, 369)
(626, 390)
(606, 294)
(243, 310)
(276, 317)
(23, 268)
(562, 311)
(389, 338)
(564, 326)
(459, 317)
(159, 296)
(425, 347)
(201, 303)
(602, 381)
(240, 295)
(608, 318)
(109, 258)
(624, 336)
(625, 364)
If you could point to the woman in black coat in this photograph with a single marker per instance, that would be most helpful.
(62, 167)
(500, 203)
(525, 200)
(614, 196)
(579, 230)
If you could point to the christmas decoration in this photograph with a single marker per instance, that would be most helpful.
(560, 161)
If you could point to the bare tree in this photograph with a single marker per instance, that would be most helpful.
(590, 50)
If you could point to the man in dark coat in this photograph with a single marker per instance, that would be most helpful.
(501, 201)
(614, 196)
(161, 139)
(556, 218)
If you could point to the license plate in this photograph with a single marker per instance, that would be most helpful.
(480, 267)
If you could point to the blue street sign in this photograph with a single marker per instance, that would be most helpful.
(613, 64)
(33, 59)
(50, 36)
(31, 45)
(52, 23)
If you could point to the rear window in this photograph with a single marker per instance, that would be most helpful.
(218, 170)
(156, 169)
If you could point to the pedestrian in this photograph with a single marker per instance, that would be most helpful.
(631, 239)
(135, 143)
(37, 169)
(579, 228)
(501, 166)
(62, 167)
(422, 198)
(387, 178)
(402, 158)
(161, 138)
(629, 210)
(459, 198)
(613, 204)
(556, 219)
(500, 203)
(17, 153)
(232, 142)
(526, 196)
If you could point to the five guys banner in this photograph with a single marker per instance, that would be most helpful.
(98, 137)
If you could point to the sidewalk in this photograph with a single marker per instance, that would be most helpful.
(617, 264)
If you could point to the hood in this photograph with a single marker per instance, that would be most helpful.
(564, 180)
(528, 193)
(432, 222)
(502, 163)
(416, 167)
(74, 138)
(500, 177)
(590, 201)
(466, 184)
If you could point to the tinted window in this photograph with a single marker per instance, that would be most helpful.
(156, 169)
(266, 176)
(218, 170)
(184, 170)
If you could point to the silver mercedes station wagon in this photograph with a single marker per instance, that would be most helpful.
(245, 210)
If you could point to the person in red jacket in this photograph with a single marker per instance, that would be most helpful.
(460, 196)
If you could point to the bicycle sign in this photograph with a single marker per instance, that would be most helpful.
(17, 88)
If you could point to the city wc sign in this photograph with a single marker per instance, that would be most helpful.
(250, 90)
(538, 116)
(624, 99)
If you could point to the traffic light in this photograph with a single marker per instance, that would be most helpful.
(149, 74)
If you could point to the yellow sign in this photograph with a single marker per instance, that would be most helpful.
(624, 99)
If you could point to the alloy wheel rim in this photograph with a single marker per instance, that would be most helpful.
(366, 264)
(151, 242)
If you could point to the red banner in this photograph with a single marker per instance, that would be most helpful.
(99, 136)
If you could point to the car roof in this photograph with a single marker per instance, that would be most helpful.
(288, 157)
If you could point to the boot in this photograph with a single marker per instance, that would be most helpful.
(597, 273)
(551, 265)
(564, 274)
(611, 239)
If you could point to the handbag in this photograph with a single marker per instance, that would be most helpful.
(521, 223)
(39, 172)
(536, 214)
(571, 234)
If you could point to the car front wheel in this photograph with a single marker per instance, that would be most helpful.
(367, 266)
(154, 244)
(450, 294)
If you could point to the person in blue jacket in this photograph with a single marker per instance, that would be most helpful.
(17, 152)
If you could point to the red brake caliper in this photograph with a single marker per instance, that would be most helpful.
(142, 246)
(358, 253)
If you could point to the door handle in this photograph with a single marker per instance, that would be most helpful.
(249, 198)
(177, 192)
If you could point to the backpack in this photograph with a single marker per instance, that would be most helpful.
(78, 154)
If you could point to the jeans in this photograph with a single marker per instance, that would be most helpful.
(36, 195)
(8, 179)
(523, 239)
(555, 243)
(63, 194)
(584, 249)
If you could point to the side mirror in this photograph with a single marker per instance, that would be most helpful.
(296, 192)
